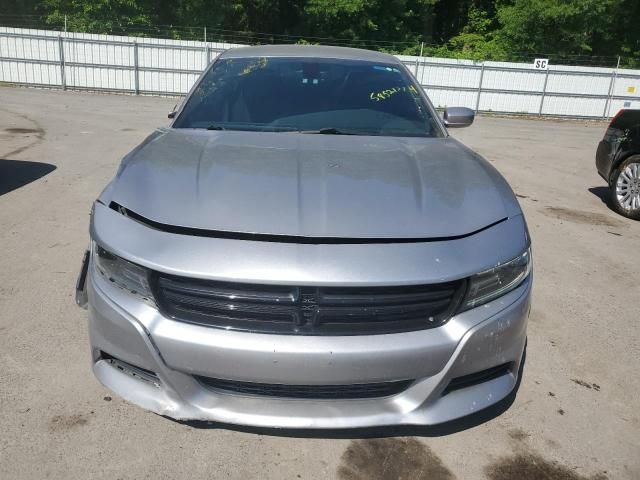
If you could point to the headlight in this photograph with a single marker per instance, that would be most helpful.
(124, 274)
(498, 281)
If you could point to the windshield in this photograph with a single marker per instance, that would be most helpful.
(310, 96)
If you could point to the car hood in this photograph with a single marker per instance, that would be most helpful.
(312, 185)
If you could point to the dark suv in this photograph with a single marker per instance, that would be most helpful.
(618, 162)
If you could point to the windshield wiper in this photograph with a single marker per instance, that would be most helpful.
(215, 127)
(328, 131)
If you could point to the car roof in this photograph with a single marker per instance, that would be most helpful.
(309, 51)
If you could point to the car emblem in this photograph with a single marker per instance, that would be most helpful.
(309, 308)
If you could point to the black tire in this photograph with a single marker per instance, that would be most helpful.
(633, 213)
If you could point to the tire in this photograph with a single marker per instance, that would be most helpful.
(625, 188)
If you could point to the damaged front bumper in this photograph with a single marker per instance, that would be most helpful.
(182, 370)
(157, 363)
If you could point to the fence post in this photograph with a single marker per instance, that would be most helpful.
(136, 68)
(420, 57)
(544, 91)
(612, 83)
(207, 55)
(63, 80)
(479, 88)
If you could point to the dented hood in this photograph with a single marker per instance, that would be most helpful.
(312, 185)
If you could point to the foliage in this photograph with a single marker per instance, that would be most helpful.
(477, 40)
(376, 20)
(562, 26)
(476, 29)
(99, 16)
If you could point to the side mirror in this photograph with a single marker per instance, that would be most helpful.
(458, 117)
(174, 112)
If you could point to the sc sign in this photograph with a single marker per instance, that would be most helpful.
(541, 64)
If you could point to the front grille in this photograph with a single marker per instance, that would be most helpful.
(306, 310)
(325, 392)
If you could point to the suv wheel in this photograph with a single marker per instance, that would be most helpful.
(625, 188)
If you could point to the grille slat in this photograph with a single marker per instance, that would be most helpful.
(306, 310)
(230, 306)
(330, 296)
(328, 392)
(225, 291)
(377, 310)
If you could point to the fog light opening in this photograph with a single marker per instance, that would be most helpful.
(138, 373)
(477, 378)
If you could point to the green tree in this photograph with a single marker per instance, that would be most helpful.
(477, 40)
(18, 7)
(100, 16)
(378, 20)
(251, 16)
(623, 35)
(451, 16)
(476, 29)
(561, 27)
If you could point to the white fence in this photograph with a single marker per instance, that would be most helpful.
(169, 67)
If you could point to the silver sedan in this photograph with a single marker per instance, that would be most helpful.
(305, 246)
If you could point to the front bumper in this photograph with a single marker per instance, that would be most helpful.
(135, 333)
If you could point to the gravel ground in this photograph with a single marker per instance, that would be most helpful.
(576, 415)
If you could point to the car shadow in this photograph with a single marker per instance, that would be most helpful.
(18, 173)
(454, 426)
(603, 194)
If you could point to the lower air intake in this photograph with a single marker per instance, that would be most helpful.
(324, 392)
(477, 377)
